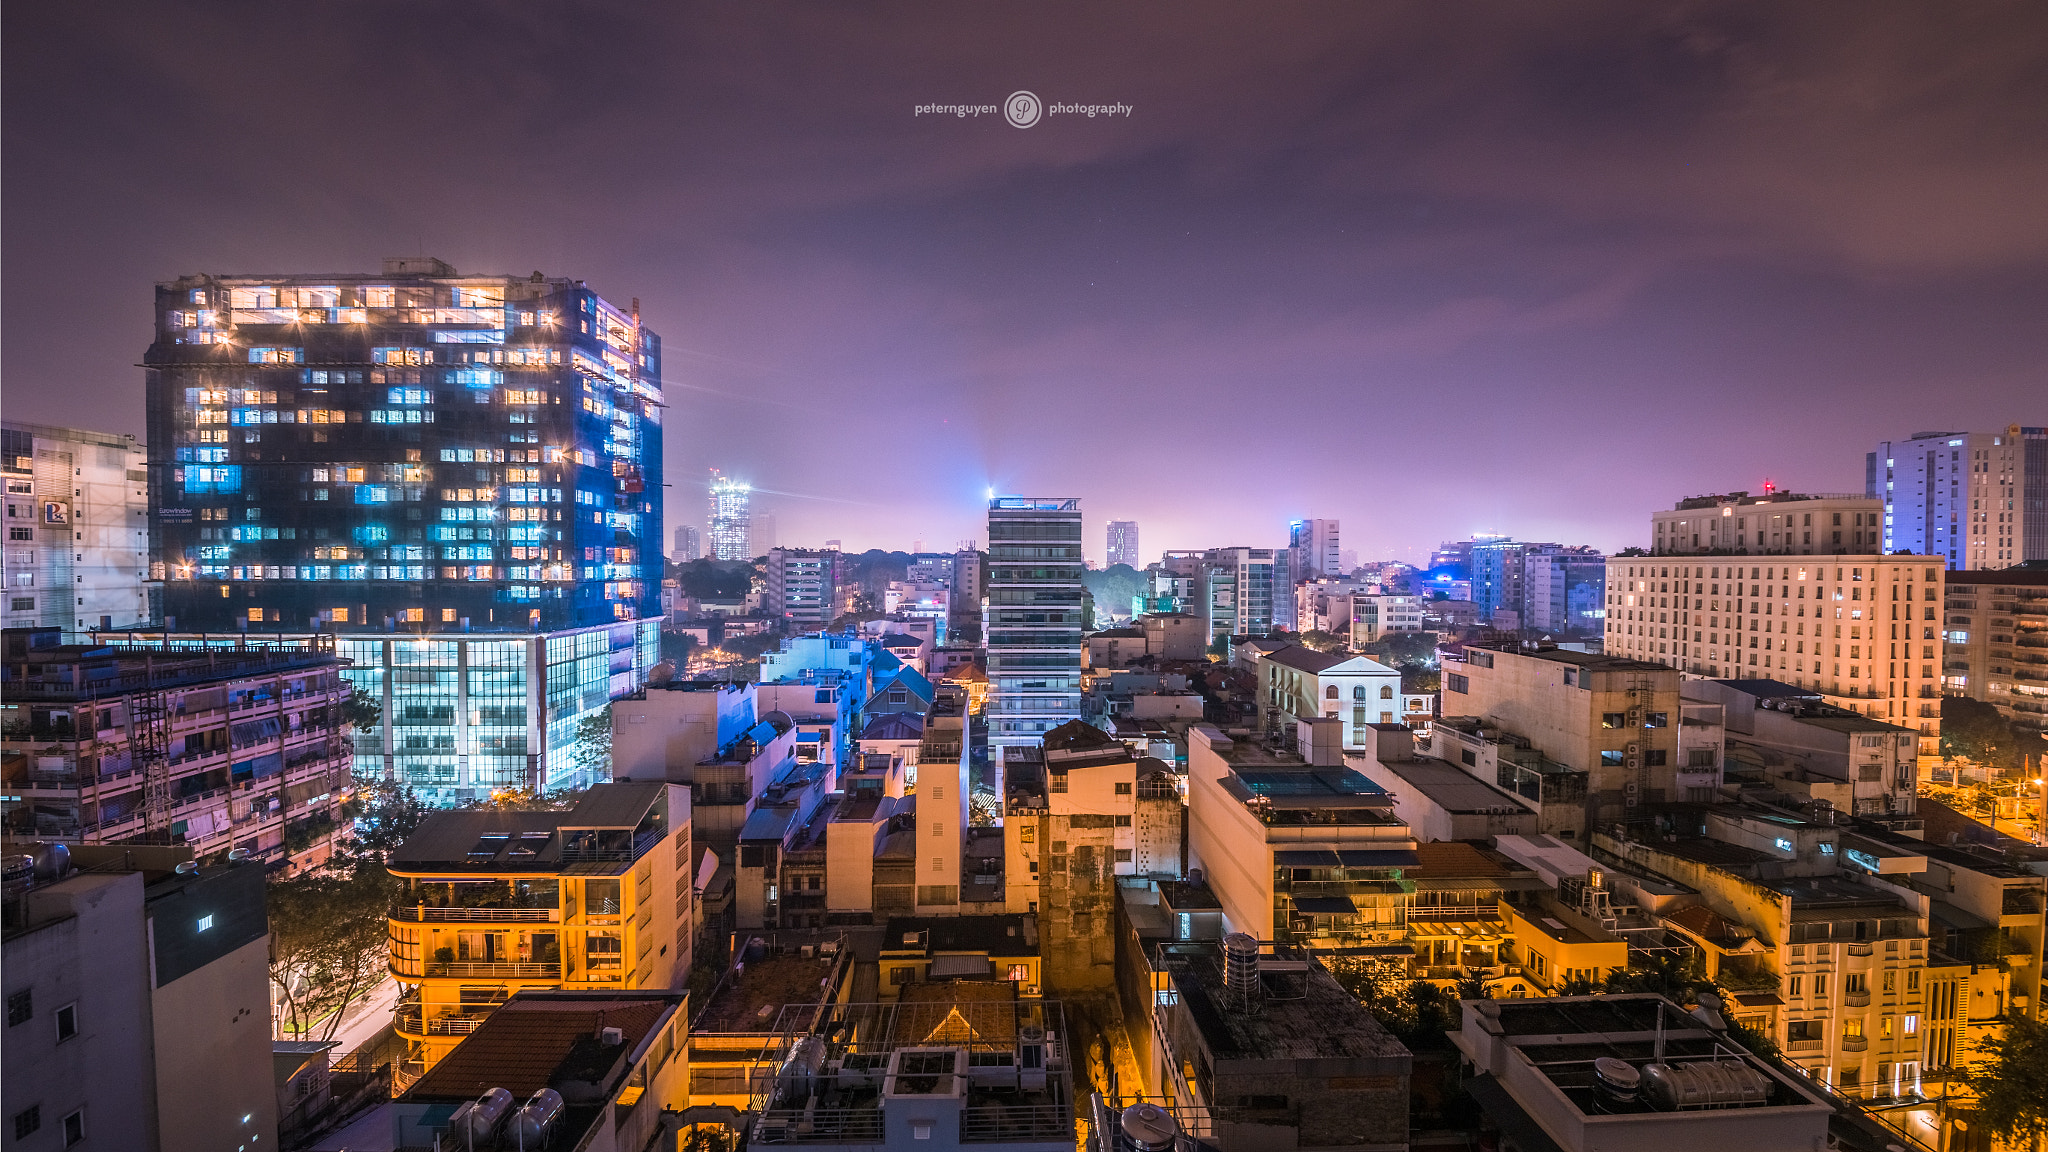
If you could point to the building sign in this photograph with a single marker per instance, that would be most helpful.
(56, 512)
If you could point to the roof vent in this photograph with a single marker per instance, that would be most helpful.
(1242, 990)
(611, 1037)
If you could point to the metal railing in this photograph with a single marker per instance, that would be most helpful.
(821, 1126)
(1804, 1045)
(1855, 1043)
(990, 1123)
(418, 913)
(527, 971)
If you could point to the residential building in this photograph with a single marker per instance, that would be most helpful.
(1069, 830)
(942, 1066)
(1315, 542)
(77, 552)
(731, 519)
(1974, 499)
(687, 547)
(501, 901)
(1123, 545)
(738, 1017)
(1607, 716)
(1268, 1048)
(1771, 524)
(1167, 590)
(1995, 641)
(1494, 755)
(1435, 799)
(1374, 618)
(138, 1000)
(1811, 748)
(1234, 587)
(1295, 847)
(1864, 630)
(1526, 1063)
(135, 739)
(1297, 683)
(967, 586)
(803, 586)
(599, 1070)
(1499, 574)
(1565, 592)
(1032, 624)
(663, 731)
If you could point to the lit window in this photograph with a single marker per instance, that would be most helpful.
(205, 922)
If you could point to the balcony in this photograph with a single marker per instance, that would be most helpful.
(1856, 1043)
(411, 1024)
(1804, 1045)
(492, 970)
(1859, 949)
(421, 913)
(1856, 999)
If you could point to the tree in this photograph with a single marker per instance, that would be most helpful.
(707, 579)
(329, 944)
(2012, 1086)
(1325, 641)
(362, 710)
(675, 648)
(594, 744)
(385, 815)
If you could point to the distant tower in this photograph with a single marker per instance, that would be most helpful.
(687, 548)
(762, 535)
(731, 522)
(1123, 544)
(1032, 619)
(1314, 544)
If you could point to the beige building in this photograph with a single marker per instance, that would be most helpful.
(1069, 830)
(1774, 523)
(1296, 847)
(1865, 631)
(77, 529)
(1995, 641)
(1614, 718)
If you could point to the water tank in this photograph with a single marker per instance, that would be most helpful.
(662, 673)
(1703, 1084)
(1147, 1128)
(1616, 1081)
(485, 1115)
(1242, 991)
(53, 861)
(534, 1123)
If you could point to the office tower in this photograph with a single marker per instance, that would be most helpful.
(687, 547)
(419, 452)
(761, 537)
(1314, 543)
(1032, 622)
(731, 522)
(77, 529)
(1975, 499)
(1234, 587)
(1499, 567)
(1123, 544)
(803, 586)
(1565, 592)
(1773, 523)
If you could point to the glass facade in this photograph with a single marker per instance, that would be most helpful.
(1033, 617)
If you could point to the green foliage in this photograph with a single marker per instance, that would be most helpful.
(1325, 641)
(2012, 1085)
(328, 943)
(594, 744)
(675, 648)
(707, 579)
(362, 711)
(1114, 586)
(1405, 649)
(1975, 731)
(526, 800)
(384, 815)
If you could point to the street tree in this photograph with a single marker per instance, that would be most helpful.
(328, 944)
(2012, 1085)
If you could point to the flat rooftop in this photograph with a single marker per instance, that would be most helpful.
(1306, 1015)
(750, 998)
(1451, 788)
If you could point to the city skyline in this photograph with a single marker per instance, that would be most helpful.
(1571, 230)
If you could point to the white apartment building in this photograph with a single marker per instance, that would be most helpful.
(1315, 544)
(1977, 499)
(1862, 630)
(77, 514)
(1373, 617)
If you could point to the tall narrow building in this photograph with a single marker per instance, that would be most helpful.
(1032, 618)
(731, 522)
(1123, 544)
(1975, 499)
(458, 475)
(77, 529)
(1317, 552)
(686, 547)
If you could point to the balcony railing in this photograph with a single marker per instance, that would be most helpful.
(1856, 999)
(1804, 1045)
(417, 913)
(1855, 1043)
(1859, 949)
(496, 970)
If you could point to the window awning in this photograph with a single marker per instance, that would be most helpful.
(1326, 906)
(944, 967)
(1307, 858)
(1363, 858)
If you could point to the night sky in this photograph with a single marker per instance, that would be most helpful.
(1431, 269)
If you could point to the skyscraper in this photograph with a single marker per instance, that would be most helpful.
(1033, 617)
(1123, 544)
(1314, 543)
(1975, 499)
(686, 548)
(417, 451)
(731, 522)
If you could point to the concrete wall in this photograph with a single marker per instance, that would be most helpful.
(664, 735)
(213, 1055)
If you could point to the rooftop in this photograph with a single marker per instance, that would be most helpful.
(1306, 1014)
(1590, 661)
(1007, 934)
(544, 1039)
(753, 994)
(1451, 788)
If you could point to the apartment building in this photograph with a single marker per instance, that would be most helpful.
(1771, 524)
(1234, 587)
(1974, 499)
(1069, 831)
(1374, 618)
(1611, 717)
(135, 738)
(1810, 747)
(1564, 592)
(1033, 617)
(1295, 847)
(1297, 683)
(1995, 641)
(1863, 630)
(1122, 541)
(803, 586)
(77, 552)
(1316, 548)
(138, 986)
(497, 902)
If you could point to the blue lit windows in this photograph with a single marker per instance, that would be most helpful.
(401, 355)
(220, 479)
(277, 355)
(371, 534)
(411, 396)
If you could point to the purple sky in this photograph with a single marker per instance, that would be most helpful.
(1430, 269)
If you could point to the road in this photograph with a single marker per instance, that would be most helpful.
(367, 1016)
